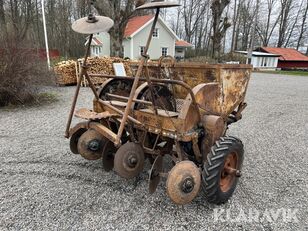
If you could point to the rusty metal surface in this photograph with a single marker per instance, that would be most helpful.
(215, 128)
(87, 114)
(100, 24)
(90, 145)
(129, 160)
(222, 99)
(154, 175)
(109, 151)
(74, 140)
(183, 182)
(228, 174)
(104, 131)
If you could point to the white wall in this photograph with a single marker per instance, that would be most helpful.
(104, 37)
(165, 39)
(265, 62)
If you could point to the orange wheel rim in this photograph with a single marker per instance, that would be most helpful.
(226, 178)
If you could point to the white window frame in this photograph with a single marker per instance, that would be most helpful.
(156, 32)
(162, 51)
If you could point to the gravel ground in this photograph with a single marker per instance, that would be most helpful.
(45, 187)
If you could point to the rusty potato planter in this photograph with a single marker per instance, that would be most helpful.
(180, 110)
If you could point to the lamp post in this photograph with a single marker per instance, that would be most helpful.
(45, 34)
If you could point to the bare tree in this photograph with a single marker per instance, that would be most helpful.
(120, 11)
(303, 27)
(220, 25)
(265, 30)
(286, 6)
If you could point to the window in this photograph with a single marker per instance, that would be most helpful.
(155, 33)
(142, 50)
(164, 51)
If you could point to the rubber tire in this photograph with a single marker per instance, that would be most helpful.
(213, 166)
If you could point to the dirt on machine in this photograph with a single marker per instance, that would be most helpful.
(166, 111)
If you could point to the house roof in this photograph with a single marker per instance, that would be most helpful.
(257, 53)
(182, 43)
(95, 41)
(286, 54)
(135, 23)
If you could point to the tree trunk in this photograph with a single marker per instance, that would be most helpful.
(302, 30)
(2, 19)
(220, 26)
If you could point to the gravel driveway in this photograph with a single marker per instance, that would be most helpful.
(45, 187)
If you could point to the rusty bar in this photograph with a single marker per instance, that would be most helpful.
(119, 111)
(83, 68)
(126, 98)
(92, 86)
(171, 81)
(136, 80)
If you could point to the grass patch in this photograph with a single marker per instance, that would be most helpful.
(46, 97)
(39, 99)
(296, 73)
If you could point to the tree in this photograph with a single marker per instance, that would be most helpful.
(265, 29)
(286, 6)
(303, 26)
(220, 25)
(120, 11)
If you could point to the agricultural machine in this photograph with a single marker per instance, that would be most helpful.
(166, 111)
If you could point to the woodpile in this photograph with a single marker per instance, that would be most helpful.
(66, 72)
(103, 65)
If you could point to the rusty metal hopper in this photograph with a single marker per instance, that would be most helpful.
(219, 88)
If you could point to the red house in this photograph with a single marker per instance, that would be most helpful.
(289, 58)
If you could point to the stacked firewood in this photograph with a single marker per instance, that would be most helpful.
(66, 72)
(103, 65)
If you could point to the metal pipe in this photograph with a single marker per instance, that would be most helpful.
(171, 81)
(136, 80)
(119, 111)
(45, 34)
(126, 98)
(83, 69)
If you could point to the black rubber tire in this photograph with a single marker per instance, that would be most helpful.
(214, 165)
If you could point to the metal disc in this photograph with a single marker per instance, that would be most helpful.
(108, 156)
(90, 145)
(101, 24)
(74, 140)
(154, 177)
(157, 4)
(129, 160)
(183, 182)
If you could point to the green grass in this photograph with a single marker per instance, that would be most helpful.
(297, 73)
(46, 97)
(38, 100)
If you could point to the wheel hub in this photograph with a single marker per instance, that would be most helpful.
(94, 145)
(132, 161)
(188, 185)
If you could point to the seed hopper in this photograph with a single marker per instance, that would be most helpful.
(166, 111)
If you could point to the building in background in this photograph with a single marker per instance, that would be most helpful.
(100, 45)
(288, 58)
(262, 60)
(164, 40)
(180, 48)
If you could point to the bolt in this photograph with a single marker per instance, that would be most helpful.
(188, 185)
(132, 161)
(94, 145)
